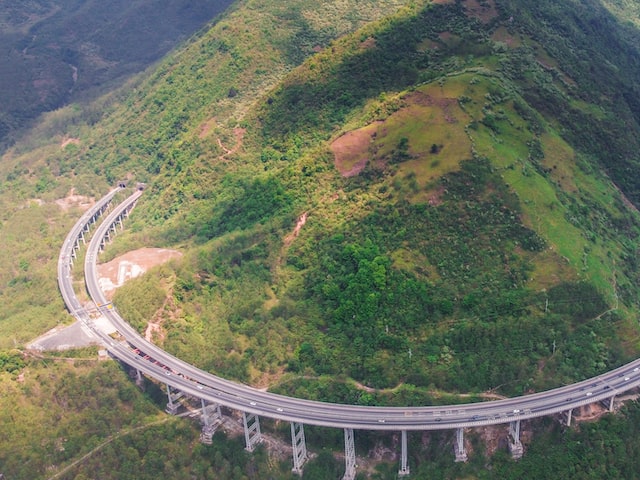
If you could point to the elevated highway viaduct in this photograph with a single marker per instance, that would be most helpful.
(181, 378)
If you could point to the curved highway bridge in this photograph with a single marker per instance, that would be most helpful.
(213, 392)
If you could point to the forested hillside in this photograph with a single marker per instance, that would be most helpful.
(57, 52)
(378, 202)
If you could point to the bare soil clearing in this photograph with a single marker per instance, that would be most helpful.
(351, 150)
(111, 276)
(72, 200)
(115, 273)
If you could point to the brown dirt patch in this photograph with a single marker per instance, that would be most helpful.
(73, 200)
(206, 128)
(368, 43)
(115, 273)
(351, 150)
(299, 224)
(483, 13)
(502, 35)
(448, 105)
(238, 133)
(590, 412)
(67, 141)
(435, 197)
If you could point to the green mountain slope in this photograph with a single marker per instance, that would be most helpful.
(57, 52)
(429, 198)
(474, 207)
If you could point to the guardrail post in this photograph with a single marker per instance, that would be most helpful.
(458, 447)
(515, 446)
(211, 419)
(404, 467)
(349, 455)
(299, 447)
(252, 434)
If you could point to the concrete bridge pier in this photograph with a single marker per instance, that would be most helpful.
(608, 403)
(252, 434)
(404, 467)
(568, 415)
(211, 420)
(173, 405)
(515, 446)
(299, 447)
(458, 446)
(349, 455)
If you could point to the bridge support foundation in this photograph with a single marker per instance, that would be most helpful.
(299, 447)
(404, 467)
(458, 447)
(211, 420)
(608, 403)
(515, 445)
(252, 434)
(349, 455)
(173, 405)
(568, 415)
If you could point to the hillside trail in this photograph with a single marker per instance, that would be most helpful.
(111, 438)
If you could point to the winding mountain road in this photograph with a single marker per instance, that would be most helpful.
(155, 362)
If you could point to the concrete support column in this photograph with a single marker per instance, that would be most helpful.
(515, 446)
(568, 418)
(252, 434)
(211, 419)
(299, 447)
(458, 447)
(349, 455)
(404, 467)
(608, 403)
(173, 405)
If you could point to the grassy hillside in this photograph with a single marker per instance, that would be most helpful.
(428, 198)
